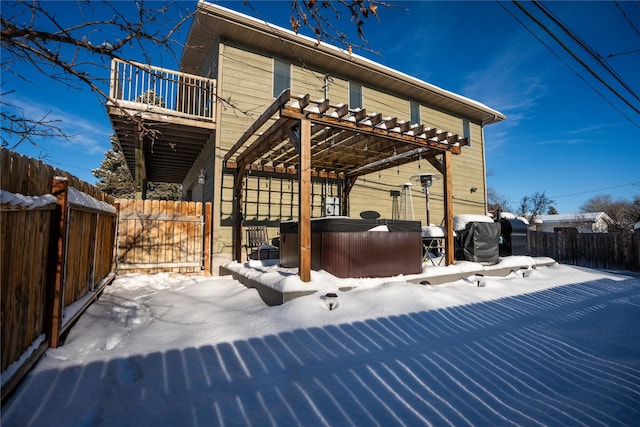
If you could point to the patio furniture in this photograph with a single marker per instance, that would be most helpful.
(257, 242)
(432, 244)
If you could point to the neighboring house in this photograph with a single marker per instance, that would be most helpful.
(249, 63)
(591, 222)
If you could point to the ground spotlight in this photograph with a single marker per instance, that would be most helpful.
(331, 299)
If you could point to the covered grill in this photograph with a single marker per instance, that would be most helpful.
(513, 237)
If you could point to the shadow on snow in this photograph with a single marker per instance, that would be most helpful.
(564, 356)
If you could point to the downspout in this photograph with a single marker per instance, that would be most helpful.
(484, 169)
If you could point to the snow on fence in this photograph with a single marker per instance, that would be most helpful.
(57, 245)
(612, 251)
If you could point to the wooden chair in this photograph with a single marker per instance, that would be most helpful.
(257, 241)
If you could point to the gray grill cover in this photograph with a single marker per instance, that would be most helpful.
(479, 242)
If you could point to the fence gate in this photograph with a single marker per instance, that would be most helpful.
(163, 236)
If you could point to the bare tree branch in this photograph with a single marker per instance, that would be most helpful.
(320, 15)
(31, 34)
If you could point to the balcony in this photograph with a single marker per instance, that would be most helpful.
(163, 117)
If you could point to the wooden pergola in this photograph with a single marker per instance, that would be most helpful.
(318, 139)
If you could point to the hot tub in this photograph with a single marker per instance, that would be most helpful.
(346, 247)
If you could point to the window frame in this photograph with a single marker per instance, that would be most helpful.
(414, 112)
(466, 130)
(281, 76)
(355, 91)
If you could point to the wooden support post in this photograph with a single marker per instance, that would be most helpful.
(55, 288)
(208, 221)
(448, 208)
(348, 184)
(140, 178)
(304, 213)
(238, 213)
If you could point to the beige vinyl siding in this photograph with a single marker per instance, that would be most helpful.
(305, 81)
(339, 91)
(468, 172)
(247, 81)
(375, 101)
(190, 184)
(437, 119)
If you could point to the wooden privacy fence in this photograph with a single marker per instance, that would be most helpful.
(612, 251)
(57, 240)
(164, 236)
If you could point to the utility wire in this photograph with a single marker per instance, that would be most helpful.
(566, 63)
(611, 55)
(574, 56)
(595, 191)
(617, 3)
(595, 55)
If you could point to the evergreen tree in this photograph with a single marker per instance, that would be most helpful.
(113, 175)
(115, 179)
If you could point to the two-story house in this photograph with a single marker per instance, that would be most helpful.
(372, 129)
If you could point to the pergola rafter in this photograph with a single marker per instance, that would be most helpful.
(316, 138)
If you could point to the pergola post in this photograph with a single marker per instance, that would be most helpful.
(346, 190)
(304, 211)
(449, 245)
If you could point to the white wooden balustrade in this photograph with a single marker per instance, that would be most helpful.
(145, 87)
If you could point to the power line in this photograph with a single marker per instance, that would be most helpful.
(574, 56)
(566, 64)
(595, 55)
(626, 17)
(595, 191)
(611, 55)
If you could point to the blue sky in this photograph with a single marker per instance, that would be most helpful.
(561, 136)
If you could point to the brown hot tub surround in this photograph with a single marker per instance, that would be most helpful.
(345, 247)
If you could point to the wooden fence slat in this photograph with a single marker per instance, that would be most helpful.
(614, 251)
(162, 232)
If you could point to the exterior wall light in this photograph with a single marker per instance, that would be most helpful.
(202, 176)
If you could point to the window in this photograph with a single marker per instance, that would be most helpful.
(466, 130)
(355, 95)
(281, 77)
(415, 112)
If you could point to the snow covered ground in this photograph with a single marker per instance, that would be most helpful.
(559, 347)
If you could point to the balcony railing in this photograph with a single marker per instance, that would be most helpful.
(145, 87)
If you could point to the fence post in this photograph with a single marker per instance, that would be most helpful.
(207, 237)
(55, 275)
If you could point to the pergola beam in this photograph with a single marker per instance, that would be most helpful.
(284, 97)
